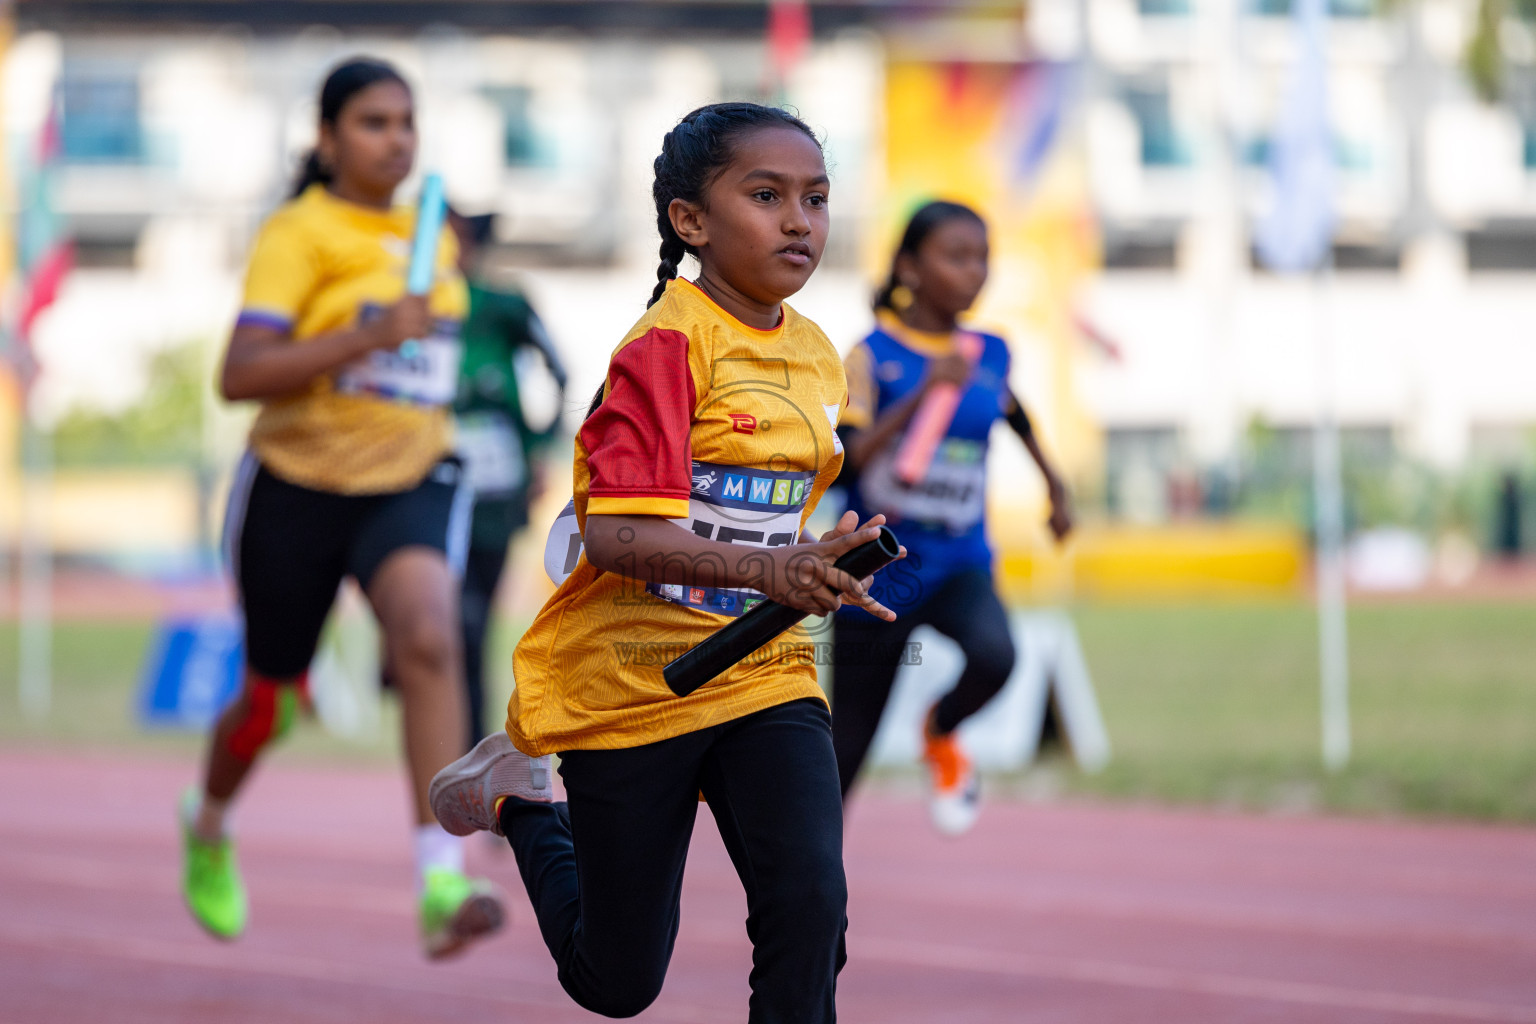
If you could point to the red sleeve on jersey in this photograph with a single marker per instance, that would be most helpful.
(637, 441)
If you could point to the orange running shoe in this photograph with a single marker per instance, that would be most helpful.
(956, 799)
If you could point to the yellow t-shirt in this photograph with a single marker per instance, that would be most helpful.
(377, 425)
(729, 432)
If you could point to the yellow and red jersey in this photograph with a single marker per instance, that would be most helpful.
(321, 264)
(729, 432)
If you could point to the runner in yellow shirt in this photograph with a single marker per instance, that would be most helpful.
(713, 441)
(348, 474)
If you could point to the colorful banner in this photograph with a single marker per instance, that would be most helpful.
(995, 136)
(44, 255)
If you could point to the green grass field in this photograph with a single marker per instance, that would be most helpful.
(97, 666)
(1220, 704)
(1205, 703)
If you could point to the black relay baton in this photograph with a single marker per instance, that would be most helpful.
(753, 630)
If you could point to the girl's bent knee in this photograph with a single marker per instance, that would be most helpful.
(426, 645)
(820, 900)
(616, 1000)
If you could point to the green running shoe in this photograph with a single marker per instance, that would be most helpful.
(210, 880)
(455, 910)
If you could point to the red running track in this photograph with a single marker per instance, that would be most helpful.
(1055, 913)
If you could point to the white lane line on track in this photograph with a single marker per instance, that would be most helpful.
(352, 848)
(104, 875)
(1160, 909)
(1106, 972)
(208, 956)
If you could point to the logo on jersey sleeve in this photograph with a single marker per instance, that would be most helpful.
(743, 422)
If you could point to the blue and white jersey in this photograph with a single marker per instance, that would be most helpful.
(942, 518)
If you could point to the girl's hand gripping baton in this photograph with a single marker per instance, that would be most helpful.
(735, 640)
(931, 421)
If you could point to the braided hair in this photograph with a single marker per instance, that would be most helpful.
(692, 155)
(345, 81)
(924, 222)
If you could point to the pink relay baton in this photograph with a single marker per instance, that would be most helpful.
(931, 421)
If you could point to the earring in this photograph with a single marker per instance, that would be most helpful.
(901, 296)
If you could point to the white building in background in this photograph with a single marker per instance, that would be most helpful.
(1430, 313)
(183, 122)
(177, 144)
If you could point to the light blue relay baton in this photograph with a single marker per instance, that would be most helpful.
(430, 212)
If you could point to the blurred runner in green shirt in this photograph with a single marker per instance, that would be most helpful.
(504, 340)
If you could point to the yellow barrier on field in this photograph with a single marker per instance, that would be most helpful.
(1197, 559)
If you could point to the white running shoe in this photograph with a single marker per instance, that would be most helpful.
(463, 795)
(954, 813)
(955, 802)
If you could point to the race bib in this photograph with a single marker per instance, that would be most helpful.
(952, 495)
(423, 372)
(750, 507)
(562, 548)
(492, 451)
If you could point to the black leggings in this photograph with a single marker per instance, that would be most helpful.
(604, 870)
(477, 598)
(867, 651)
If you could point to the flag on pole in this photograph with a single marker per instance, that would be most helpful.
(1041, 94)
(789, 34)
(1296, 237)
(44, 256)
(1298, 231)
(44, 252)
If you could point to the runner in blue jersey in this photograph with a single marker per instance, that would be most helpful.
(946, 579)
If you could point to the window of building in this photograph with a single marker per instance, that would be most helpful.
(112, 252)
(101, 121)
(1164, 8)
(1502, 245)
(1350, 155)
(521, 143)
(1163, 143)
(1142, 251)
(1336, 8)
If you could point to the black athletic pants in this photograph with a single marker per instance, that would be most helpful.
(477, 599)
(867, 651)
(604, 870)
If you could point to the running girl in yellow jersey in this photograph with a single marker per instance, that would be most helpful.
(713, 442)
(348, 474)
